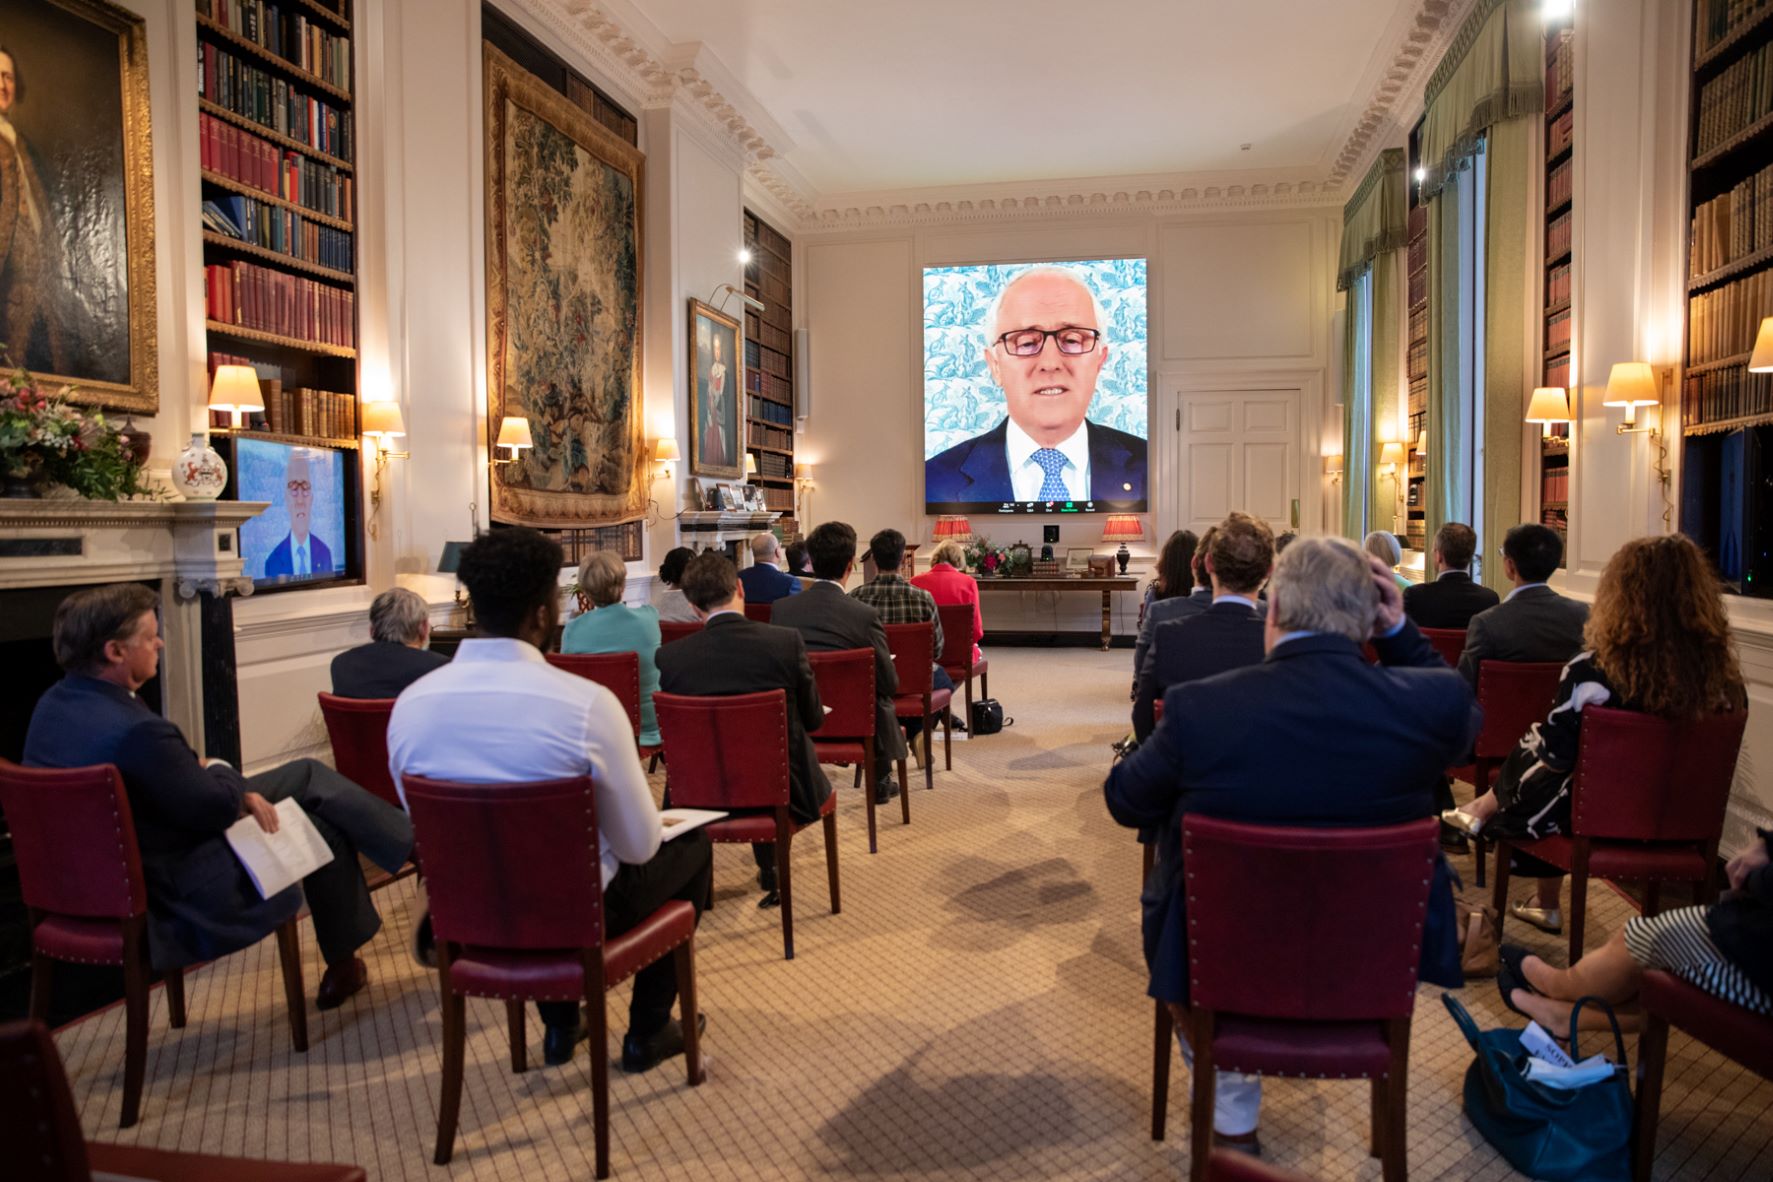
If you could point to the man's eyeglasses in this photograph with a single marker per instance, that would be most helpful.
(1028, 342)
(298, 486)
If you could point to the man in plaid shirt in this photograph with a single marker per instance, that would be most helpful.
(898, 602)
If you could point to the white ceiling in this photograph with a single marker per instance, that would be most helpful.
(921, 94)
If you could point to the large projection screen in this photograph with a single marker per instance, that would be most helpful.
(1034, 387)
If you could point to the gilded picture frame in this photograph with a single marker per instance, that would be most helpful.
(77, 270)
(564, 294)
(716, 377)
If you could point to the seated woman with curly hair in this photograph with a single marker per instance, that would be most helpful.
(1659, 643)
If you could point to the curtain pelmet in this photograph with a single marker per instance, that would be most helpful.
(1374, 219)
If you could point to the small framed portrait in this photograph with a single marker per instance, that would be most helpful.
(754, 499)
(729, 498)
(715, 446)
(711, 497)
(1077, 559)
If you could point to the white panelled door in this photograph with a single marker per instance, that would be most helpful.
(1239, 449)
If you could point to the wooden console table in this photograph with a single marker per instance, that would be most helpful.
(1107, 587)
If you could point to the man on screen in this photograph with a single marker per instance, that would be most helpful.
(300, 553)
(1045, 349)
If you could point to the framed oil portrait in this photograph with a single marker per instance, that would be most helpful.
(716, 448)
(563, 300)
(77, 200)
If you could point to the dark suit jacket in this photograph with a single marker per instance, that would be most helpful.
(1161, 612)
(1538, 624)
(201, 903)
(1314, 736)
(978, 469)
(736, 655)
(829, 619)
(766, 584)
(381, 669)
(280, 563)
(1448, 602)
(1226, 636)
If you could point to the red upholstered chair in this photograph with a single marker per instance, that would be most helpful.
(619, 673)
(1226, 1165)
(358, 729)
(1728, 1029)
(1646, 802)
(846, 689)
(911, 645)
(41, 1131)
(758, 611)
(1514, 695)
(516, 892)
(670, 630)
(1303, 950)
(1448, 642)
(731, 753)
(957, 654)
(80, 872)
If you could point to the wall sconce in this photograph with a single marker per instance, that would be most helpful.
(1333, 468)
(1761, 360)
(1632, 384)
(514, 435)
(1550, 404)
(1422, 443)
(235, 388)
(665, 454)
(382, 422)
(1391, 459)
(750, 466)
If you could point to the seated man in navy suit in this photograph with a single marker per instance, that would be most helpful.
(300, 553)
(764, 580)
(1228, 633)
(1045, 350)
(1312, 737)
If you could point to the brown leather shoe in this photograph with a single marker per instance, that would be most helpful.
(341, 981)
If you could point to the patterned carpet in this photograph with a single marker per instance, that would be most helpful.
(976, 1012)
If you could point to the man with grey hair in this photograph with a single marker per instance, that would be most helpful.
(1045, 349)
(396, 655)
(764, 580)
(1314, 736)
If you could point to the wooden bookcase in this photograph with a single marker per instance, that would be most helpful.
(769, 368)
(1416, 363)
(1727, 412)
(1560, 213)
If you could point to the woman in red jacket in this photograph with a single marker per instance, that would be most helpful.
(948, 584)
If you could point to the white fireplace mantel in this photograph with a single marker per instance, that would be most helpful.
(187, 547)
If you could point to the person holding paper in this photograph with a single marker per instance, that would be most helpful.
(202, 903)
(500, 714)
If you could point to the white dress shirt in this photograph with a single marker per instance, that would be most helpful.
(499, 713)
(1522, 587)
(1026, 476)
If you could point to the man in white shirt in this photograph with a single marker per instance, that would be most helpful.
(499, 713)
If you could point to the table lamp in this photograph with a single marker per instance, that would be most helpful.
(1122, 528)
(953, 527)
(235, 388)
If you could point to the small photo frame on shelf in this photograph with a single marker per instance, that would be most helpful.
(711, 498)
(754, 499)
(1077, 559)
(729, 497)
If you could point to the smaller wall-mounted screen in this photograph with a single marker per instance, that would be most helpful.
(301, 537)
(1034, 387)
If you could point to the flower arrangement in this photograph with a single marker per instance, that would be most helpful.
(985, 559)
(45, 439)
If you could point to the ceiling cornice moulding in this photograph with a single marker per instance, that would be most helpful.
(1381, 123)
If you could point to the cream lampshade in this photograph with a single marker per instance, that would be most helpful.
(383, 420)
(235, 388)
(1333, 465)
(1761, 360)
(1392, 454)
(1550, 404)
(1631, 384)
(750, 464)
(514, 433)
(1422, 443)
(665, 451)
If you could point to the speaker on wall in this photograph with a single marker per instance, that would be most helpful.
(803, 375)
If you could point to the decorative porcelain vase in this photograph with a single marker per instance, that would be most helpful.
(199, 473)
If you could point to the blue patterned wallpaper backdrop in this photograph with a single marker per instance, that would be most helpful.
(959, 398)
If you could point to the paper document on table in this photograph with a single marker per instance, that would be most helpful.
(276, 861)
(677, 822)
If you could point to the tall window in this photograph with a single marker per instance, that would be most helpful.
(1357, 460)
(1465, 459)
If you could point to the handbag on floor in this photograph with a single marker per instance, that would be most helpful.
(1550, 1133)
(988, 717)
(1480, 947)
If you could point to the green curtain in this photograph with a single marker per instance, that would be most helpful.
(1494, 71)
(1388, 389)
(1354, 419)
(1445, 468)
(1374, 221)
(1509, 148)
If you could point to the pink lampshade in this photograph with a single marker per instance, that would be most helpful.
(1122, 527)
(953, 525)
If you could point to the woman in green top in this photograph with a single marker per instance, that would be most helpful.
(610, 626)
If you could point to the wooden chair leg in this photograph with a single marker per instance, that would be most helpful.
(868, 796)
(1479, 848)
(1376, 1119)
(1652, 1058)
(904, 794)
(135, 1010)
(984, 686)
(1499, 894)
(1200, 1037)
(831, 858)
(785, 882)
(652, 765)
(42, 974)
(968, 695)
(1578, 897)
(289, 952)
(929, 773)
(948, 738)
(175, 998)
(1394, 1150)
(1163, 1030)
(858, 782)
(685, 958)
(1708, 888)
(1652, 897)
(598, 1008)
(449, 1104)
(519, 1044)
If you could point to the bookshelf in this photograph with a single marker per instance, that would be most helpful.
(1727, 412)
(1560, 212)
(769, 369)
(1416, 365)
(276, 80)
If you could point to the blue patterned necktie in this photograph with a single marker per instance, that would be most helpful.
(1052, 461)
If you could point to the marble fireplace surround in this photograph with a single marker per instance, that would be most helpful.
(191, 549)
